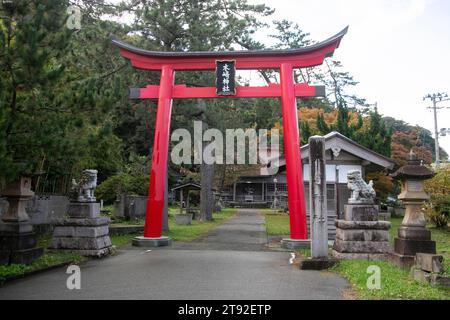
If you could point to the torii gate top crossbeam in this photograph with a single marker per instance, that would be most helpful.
(262, 59)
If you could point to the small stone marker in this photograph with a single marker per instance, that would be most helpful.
(429, 269)
(430, 262)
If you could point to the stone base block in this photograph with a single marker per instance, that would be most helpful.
(355, 212)
(440, 280)
(184, 219)
(81, 231)
(13, 241)
(408, 247)
(414, 233)
(362, 235)
(26, 256)
(152, 242)
(402, 261)
(434, 279)
(430, 262)
(292, 244)
(18, 244)
(84, 210)
(79, 243)
(79, 222)
(363, 225)
(360, 256)
(368, 247)
(16, 228)
(95, 253)
(421, 276)
(317, 263)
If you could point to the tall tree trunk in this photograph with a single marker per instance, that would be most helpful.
(207, 176)
(206, 193)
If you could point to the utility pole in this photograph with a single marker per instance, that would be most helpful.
(436, 98)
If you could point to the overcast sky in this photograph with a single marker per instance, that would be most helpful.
(399, 50)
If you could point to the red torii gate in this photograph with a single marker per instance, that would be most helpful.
(169, 62)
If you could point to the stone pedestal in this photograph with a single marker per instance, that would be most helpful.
(410, 241)
(364, 237)
(412, 237)
(151, 242)
(84, 231)
(17, 239)
(18, 243)
(292, 244)
(358, 212)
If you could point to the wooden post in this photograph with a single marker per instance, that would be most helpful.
(187, 201)
(181, 200)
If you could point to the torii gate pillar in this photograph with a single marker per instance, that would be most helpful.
(296, 200)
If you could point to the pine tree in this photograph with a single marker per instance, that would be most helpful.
(33, 39)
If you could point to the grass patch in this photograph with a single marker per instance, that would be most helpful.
(198, 228)
(277, 223)
(396, 284)
(121, 240)
(304, 252)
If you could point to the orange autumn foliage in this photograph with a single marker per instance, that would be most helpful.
(310, 116)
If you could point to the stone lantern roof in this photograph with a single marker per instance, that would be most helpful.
(414, 170)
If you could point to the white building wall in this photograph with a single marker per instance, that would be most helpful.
(331, 172)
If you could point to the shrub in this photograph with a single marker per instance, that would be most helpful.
(438, 210)
(438, 207)
(123, 183)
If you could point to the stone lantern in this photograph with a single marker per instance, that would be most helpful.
(17, 239)
(413, 237)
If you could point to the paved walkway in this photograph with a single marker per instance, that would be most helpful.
(244, 232)
(229, 263)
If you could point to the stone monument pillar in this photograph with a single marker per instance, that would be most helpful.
(83, 231)
(413, 237)
(17, 239)
(318, 208)
(360, 235)
(318, 198)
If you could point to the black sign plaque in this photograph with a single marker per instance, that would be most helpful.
(225, 78)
